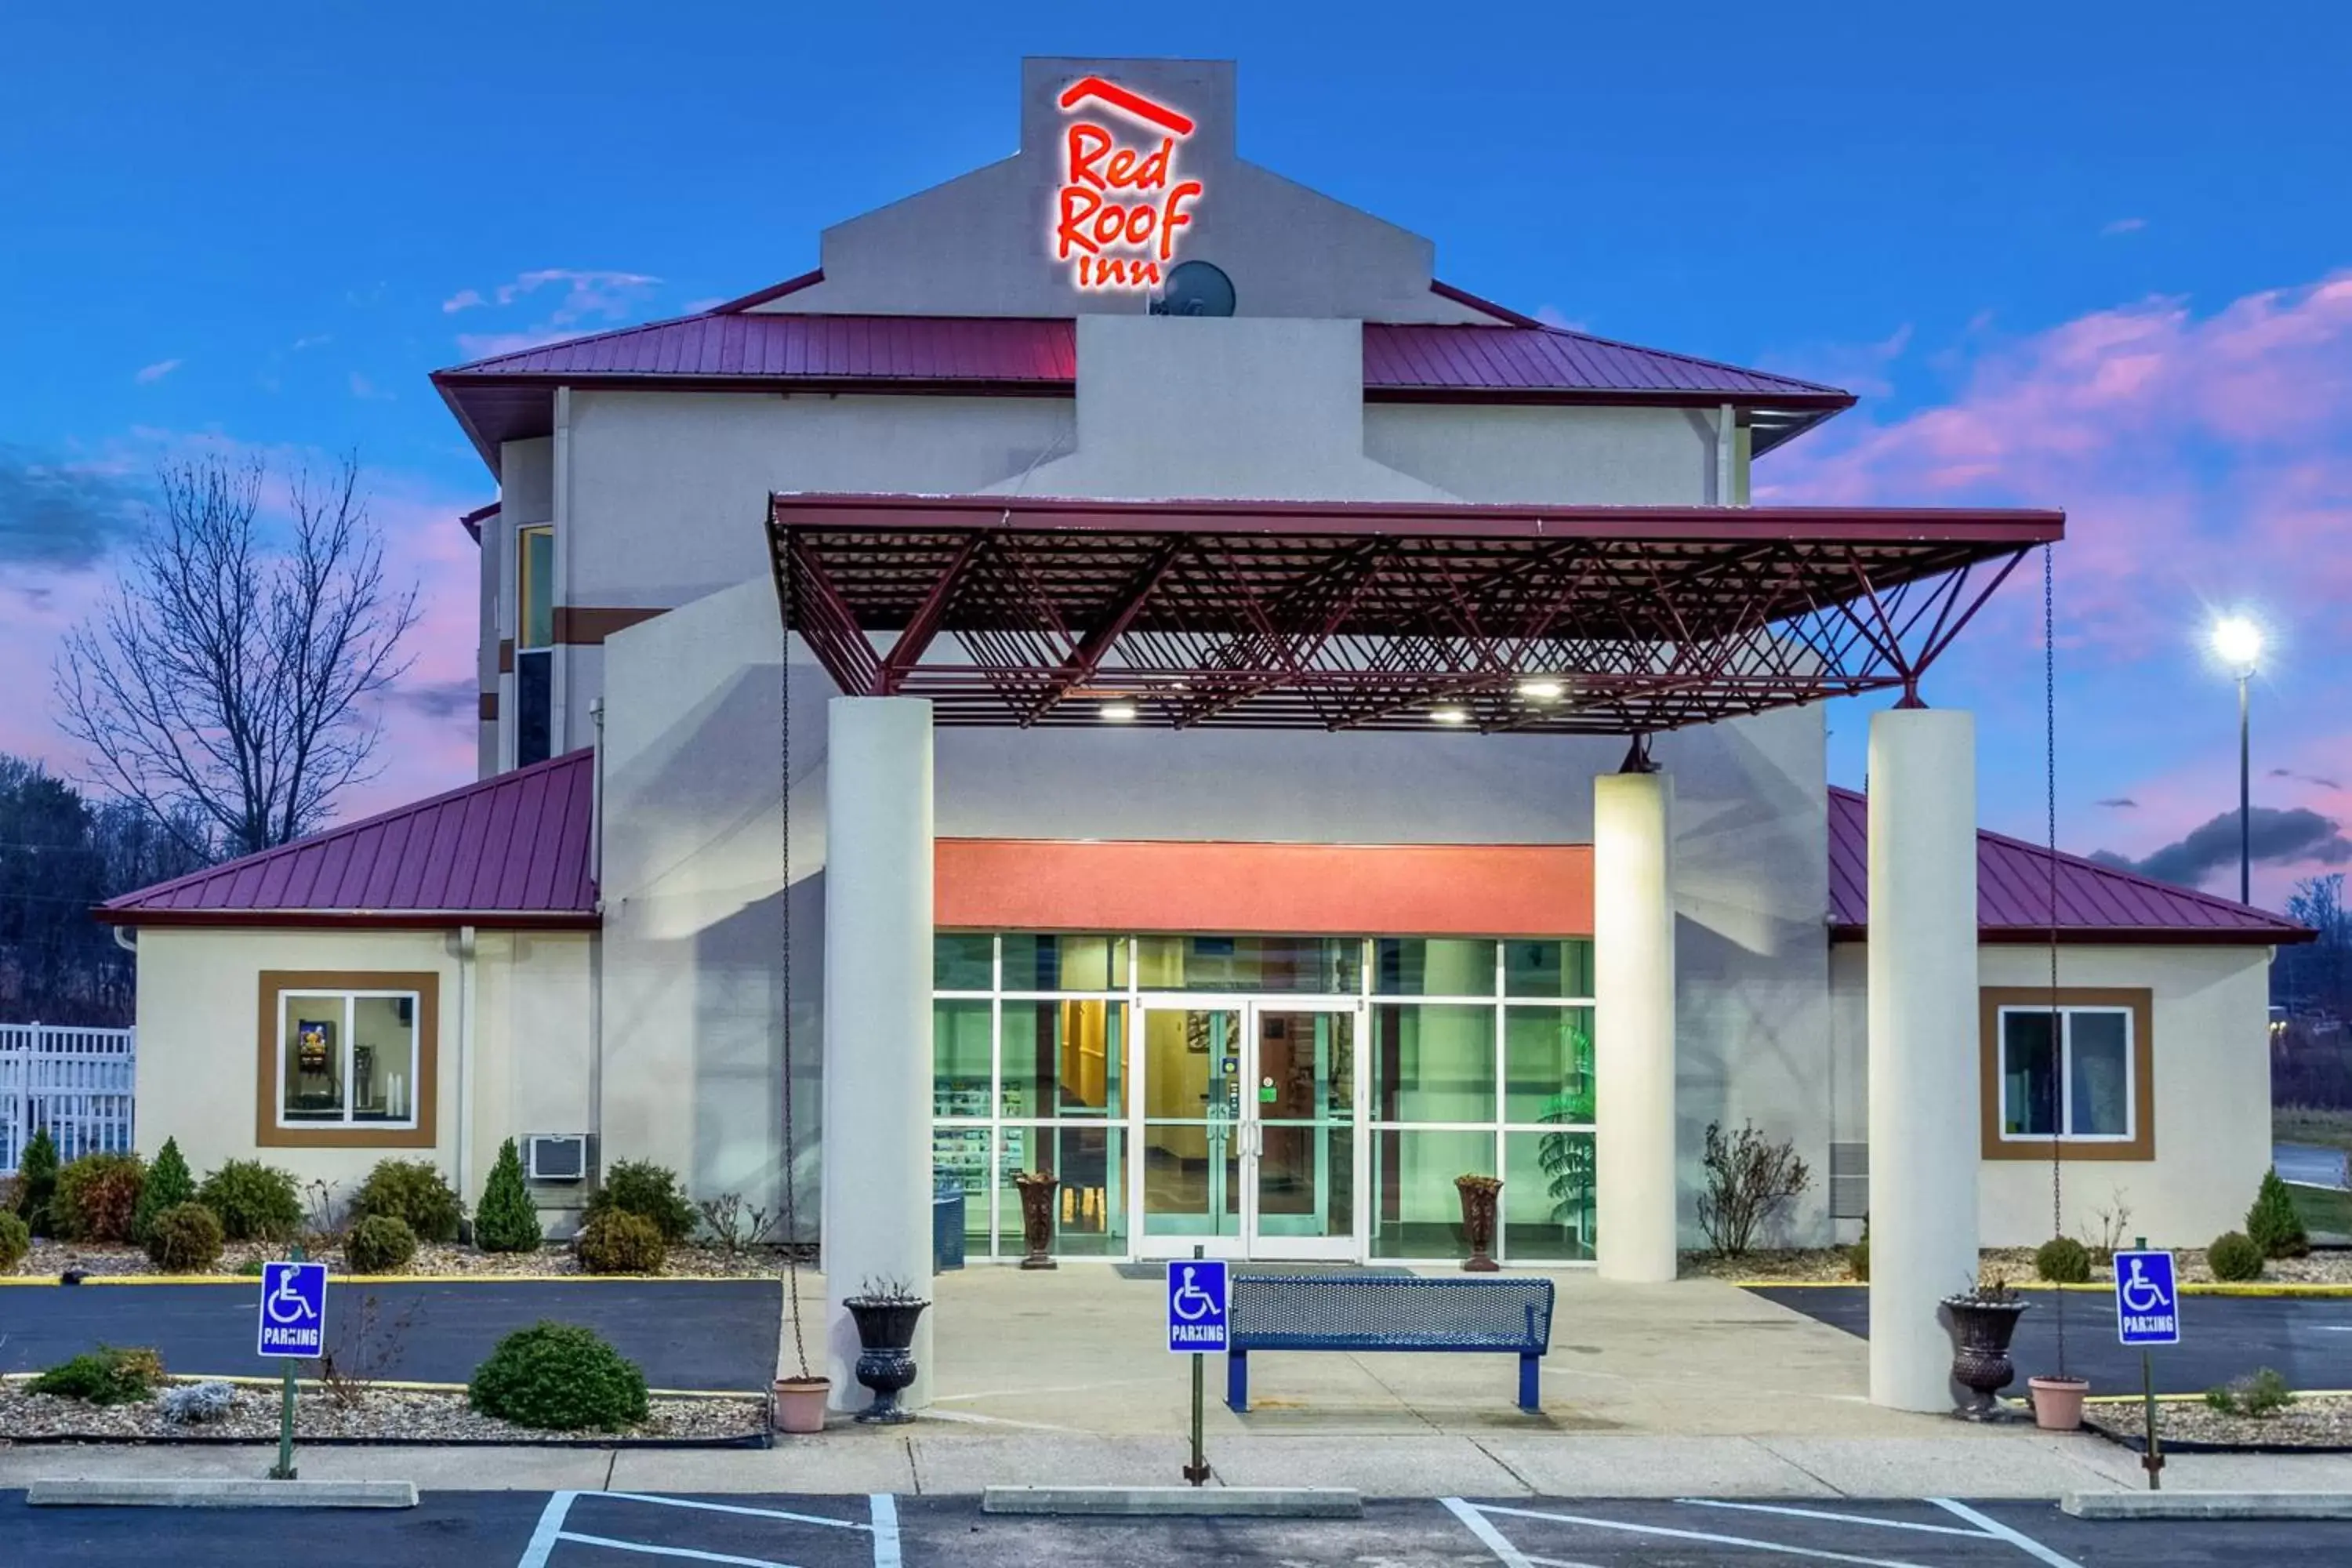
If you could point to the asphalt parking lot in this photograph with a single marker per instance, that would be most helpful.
(586, 1529)
(2307, 1339)
(701, 1334)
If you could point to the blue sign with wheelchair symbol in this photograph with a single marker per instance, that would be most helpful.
(2148, 1307)
(294, 1309)
(1196, 1305)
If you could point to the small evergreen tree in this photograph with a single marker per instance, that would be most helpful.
(2273, 1225)
(507, 1220)
(37, 1182)
(170, 1184)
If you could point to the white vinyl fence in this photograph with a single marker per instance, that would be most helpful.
(75, 1082)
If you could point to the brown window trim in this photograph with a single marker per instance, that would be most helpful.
(268, 1135)
(2137, 1000)
(489, 707)
(506, 655)
(588, 625)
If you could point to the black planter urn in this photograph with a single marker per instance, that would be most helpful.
(1980, 1334)
(886, 1359)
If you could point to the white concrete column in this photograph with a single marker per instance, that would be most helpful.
(876, 1137)
(1633, 1028)
(1923, 1045)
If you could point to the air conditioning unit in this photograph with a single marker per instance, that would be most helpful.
(555, 1156)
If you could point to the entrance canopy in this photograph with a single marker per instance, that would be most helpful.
(1340, 615)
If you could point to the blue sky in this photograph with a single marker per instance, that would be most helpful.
(2084, 256)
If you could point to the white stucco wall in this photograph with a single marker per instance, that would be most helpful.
(2211, 1064)
(1603, 457)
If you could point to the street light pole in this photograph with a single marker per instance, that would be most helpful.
(2245, 798)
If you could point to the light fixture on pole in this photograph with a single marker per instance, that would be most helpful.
(2237, 642)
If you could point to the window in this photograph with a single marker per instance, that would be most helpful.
(534, 645)
(347, 1059)
(2076, 1075)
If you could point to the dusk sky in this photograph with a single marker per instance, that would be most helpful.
(2097, 257)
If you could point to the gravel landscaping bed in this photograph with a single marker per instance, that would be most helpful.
(380, 1415)
(2014, 1263)
(49, 1258)
(2191, 1426)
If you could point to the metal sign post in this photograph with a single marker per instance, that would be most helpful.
(1196, 1325)
(2148, 1312)
(293, 1327)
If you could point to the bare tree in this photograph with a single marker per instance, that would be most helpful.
(226, 680)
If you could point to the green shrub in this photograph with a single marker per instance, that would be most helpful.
(2273, 1225)
(97, 1197)
(2261, 1393)
(184, 1239)
(2063, 1260)
(168, 1185)
(379, 1244)
(36, 1181)
(253, 1201)
(414, 1192)
(558, 1377)
(1857, 1257)
(617, 1243)
(507, 1220)
(2234, 1256)
(107, 1375)
(649, 1191)
(15, 1241)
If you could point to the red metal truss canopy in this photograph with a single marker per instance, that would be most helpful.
(1377, 615)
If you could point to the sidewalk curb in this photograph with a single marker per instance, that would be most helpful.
(1192, 1502)
(220, 1494)
(2208, 1505)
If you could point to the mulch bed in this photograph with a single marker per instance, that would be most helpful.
(49, 1258)
(385, 1416)
(2188, 1426)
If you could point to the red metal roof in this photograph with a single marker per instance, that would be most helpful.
(2095, 902)
(512, 850)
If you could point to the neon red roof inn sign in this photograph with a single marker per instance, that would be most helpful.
(1120, 202)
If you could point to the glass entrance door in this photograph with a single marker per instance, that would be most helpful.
(1249, 1130)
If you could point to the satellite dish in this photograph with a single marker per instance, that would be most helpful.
(1195, 289)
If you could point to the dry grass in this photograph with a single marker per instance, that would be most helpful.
(2312, 1124)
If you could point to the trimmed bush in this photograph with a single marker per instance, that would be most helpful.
(97, 1197)
(2235, 1256)
(184, 1239)
(507, 1220)
(15, 1241)
(253, 1201)
(379, 1244)
(2063, 1260)
(108, 1375)
(412, 1192)
(2273, 1225)
(616, 1243)
(558, 1377)
(650, 1191)
(36, 1181)
(2261, 1393)
(169, 1184)
(1857, 1257)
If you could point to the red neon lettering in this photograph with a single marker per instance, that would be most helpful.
(1078, 203)
(1177, 217)
(1154, 204)
(1088, 144)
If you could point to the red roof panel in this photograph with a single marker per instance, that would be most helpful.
(2094, 901)
(510, 850)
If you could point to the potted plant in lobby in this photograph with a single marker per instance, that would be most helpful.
(886, 1314)
(1984, 1319)
(1479, 1195)
(1037, 1190)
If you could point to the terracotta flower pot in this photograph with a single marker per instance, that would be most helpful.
(2058, 1401)
(1479, 1203)
(1037, 1190)
(799, 1403)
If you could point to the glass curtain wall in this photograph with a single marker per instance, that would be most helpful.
(1477, 1060)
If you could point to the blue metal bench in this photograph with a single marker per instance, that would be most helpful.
(1338, 1312)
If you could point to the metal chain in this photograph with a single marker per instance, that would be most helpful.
(2050, 805)
(784, 910)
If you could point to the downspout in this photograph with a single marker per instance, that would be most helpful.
(1726, 421)
(465, 967)
(596, 946)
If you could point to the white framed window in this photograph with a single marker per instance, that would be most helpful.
(2071, 1074)
(348, 1060)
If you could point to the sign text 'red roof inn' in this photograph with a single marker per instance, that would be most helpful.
(1119, 204)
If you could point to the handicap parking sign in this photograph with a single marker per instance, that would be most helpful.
(294, 1309)
(2148, 1308)
(1196, 1305)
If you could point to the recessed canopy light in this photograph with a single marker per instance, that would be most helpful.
(1449, 716)
(1542, 689)
(1118, 712)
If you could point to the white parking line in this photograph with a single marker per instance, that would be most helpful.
(1669, 1533)
(551, 1526)
(734, 1508)
(885, 1511)
(1825, 1514)
(644, 1549)
(2016, 1538)
(551, 1531)
(1508, 1556)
